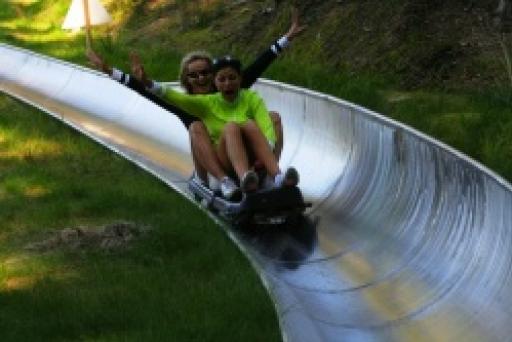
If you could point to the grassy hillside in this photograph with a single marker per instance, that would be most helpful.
(183, 280)
(440, 67)
(417, 43)
(68, 269)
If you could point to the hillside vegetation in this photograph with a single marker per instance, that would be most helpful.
(440, 66)
(94, 248)
(418, 43)
(443, 67)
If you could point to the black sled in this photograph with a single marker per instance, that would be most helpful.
(265, 207)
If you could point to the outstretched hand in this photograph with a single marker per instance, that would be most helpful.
(96, 61)
(138, 69)
(295, 27)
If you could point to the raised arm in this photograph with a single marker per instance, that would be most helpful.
(131, 82)
(256, 69)
(98, 62)
(138, 71)
(196, 105)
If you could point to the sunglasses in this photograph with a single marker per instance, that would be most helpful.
(197, 74)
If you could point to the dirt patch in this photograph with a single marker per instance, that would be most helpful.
(17, 283)
(109, 237)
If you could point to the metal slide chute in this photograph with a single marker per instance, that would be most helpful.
(413, 239)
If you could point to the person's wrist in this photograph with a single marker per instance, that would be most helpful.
(283, 41)
(106, 69)
(117, 74)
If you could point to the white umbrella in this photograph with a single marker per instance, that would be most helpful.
(86, 13)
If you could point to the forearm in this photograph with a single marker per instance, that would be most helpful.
(154, 87)
(268, 132)
(256, 69)
(192, 104)
(264, 122)
(134, 84)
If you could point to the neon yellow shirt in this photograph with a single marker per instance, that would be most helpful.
(215, 112)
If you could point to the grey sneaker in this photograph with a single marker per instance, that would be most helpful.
(289, 178)
(268, 182)
(249, 181)
(228, 188)
(198, 179)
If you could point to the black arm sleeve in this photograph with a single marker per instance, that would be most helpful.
(132, 83)
(256, 69)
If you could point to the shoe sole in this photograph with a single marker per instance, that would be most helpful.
(250, 182)
(231, 195)
(291, 177)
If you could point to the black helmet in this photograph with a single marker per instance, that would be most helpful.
(226, 61)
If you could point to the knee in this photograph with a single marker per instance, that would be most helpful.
(197, 127)
(231, 128)
(249, 126)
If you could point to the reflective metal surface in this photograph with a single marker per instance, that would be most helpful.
(413, 239)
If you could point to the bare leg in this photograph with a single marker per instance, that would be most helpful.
(260, 147)
(231, 150)
(203, 152)
(200, 170)
(278, 128)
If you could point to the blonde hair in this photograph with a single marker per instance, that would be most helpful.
(186, 60)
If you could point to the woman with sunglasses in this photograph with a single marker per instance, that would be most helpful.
(238, 124)
(196, 78)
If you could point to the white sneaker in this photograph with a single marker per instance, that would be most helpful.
(228, 188)
(213, 183)
(289, 178)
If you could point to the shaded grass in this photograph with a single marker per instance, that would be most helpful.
(183, 281)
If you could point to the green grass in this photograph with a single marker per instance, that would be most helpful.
(184, 281)
(166, 287)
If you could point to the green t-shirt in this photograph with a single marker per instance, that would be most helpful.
(215, 112)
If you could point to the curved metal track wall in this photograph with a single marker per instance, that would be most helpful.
(413, 240)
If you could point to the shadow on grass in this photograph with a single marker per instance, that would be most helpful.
(184, 281)
(149, 292)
